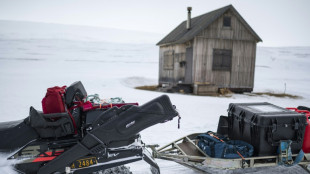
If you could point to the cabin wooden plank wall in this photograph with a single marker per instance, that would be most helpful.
(177, 73)
(237, 31)
(235, 38)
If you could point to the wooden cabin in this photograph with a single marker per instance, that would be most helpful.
(208, 52)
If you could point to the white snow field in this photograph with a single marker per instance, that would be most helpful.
(30, 63)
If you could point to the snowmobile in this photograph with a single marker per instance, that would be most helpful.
(88, 138)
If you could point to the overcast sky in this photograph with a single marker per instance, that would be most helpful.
(277, 22)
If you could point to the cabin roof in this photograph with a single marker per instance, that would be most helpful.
(181, 34)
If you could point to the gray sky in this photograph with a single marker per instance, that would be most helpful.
(277, 22)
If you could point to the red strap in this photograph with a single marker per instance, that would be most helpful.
(240, 155)
(73, 121)
(89, 106)
(68, 110)
(77, 105)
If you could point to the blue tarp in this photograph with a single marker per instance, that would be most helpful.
(213, 147)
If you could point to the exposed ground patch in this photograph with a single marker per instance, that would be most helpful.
(224, 93)
(280, 95)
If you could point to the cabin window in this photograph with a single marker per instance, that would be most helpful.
(226, 21)
(222, 59)
(168, 60)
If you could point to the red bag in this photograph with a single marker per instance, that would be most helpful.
(53, 102)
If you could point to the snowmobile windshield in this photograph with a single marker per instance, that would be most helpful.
(75, 89)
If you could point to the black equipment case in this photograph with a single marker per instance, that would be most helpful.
(263, 125)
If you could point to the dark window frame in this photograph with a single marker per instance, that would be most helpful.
(226, 21)
(222, 60)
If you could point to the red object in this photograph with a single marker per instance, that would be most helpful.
(306, 142)
(53, 101)
(89, 106)
(48, 156)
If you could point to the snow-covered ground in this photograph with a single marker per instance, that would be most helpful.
(30, 64)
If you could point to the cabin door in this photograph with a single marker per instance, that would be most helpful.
(189, 65)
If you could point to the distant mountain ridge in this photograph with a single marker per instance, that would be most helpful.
(39, 30)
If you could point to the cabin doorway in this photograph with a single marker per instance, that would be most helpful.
(189, 65)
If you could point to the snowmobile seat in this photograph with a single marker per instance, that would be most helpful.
(16, 134)
(51, 125)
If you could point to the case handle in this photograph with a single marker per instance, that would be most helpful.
(274, 126)
(270, 134)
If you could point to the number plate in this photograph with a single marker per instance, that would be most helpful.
(85, 162)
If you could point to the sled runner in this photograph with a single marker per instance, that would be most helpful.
(86, 137)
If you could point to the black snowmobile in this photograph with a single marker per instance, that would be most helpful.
(86, 140)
